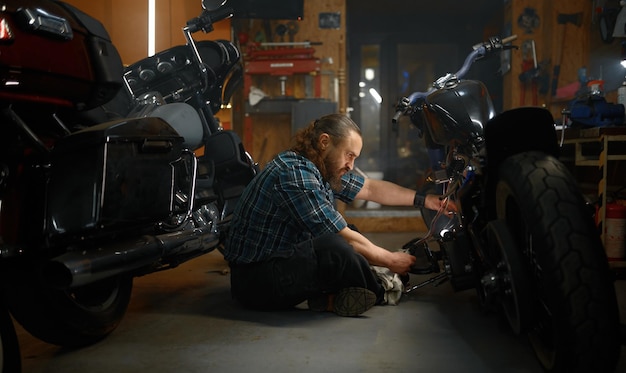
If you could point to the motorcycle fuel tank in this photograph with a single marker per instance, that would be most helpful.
(458, 112)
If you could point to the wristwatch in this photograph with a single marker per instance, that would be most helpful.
(418, 200)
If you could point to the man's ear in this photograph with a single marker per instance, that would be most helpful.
(324, 141)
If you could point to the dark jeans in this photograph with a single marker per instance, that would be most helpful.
(323, 265)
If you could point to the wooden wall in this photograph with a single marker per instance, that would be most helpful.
(329, 43)
(566, 45)
(266, 134)
(127, 23)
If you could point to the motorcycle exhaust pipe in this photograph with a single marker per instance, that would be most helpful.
(84, 267)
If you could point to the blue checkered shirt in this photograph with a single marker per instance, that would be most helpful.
(285, 204)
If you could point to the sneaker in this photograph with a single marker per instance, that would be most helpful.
(348, 302)
(353, 301)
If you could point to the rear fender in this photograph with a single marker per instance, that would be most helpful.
(520, 130)
(516, 131)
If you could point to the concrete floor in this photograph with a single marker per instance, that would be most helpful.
(183, 320)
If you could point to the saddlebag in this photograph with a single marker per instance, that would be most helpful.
(114, 176)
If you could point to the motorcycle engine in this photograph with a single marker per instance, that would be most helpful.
(457, 113)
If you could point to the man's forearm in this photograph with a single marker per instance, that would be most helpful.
(387, 193)
(375, 255)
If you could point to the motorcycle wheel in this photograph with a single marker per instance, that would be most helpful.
(512, 275)
(575, 317)
(71, 318)
(10, 358)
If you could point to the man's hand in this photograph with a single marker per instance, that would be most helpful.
(400, 262)
(397, 261)
(433, 202)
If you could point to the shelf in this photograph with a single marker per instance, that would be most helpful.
(597, 147)
(272, 105)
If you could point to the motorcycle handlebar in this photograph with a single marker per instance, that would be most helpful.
(402, 107)
(222, 13)
(206, 20)
(494, 44)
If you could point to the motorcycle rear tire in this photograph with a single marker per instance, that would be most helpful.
(70, 318)
(10, 359)
(575, 320)
(515, 298)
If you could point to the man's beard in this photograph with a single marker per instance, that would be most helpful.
(333, 176)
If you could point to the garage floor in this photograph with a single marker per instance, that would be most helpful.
(183, 320)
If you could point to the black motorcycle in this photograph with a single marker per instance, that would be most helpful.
(106, 172)
(524, 236)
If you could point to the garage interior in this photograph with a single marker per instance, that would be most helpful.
(184, 320)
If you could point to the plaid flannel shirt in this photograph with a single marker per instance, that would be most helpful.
(287, 203)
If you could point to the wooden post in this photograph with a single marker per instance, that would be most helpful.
(341, 76)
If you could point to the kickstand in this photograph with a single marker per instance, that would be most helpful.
(438, 280)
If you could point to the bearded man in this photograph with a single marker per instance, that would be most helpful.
(288, 243)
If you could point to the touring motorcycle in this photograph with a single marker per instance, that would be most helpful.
(524, 236)
(107, 172)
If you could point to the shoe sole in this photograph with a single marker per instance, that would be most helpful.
(354, 301)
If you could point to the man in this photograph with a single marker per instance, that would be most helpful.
(288, 243)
